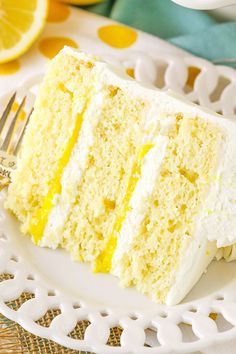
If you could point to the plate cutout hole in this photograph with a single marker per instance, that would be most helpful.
(131, 72)
(3, 237)
(193, 72)
(163, 314)
(79, 331)
(114, 337)
(219, 297)
(193, 309)
(6, 276)
(51, 293)
(134, 317)
(46, 319)
(14, 258)
(222, 324)
(17, 303)
(76, 305)
(222, 83)
(104, 314)
(161, 72)
(151, 338)
(213, 316)
(30, 277)
(188, 335)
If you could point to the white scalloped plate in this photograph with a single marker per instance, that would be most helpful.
(58, 283)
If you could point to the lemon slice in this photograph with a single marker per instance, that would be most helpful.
(21, 21)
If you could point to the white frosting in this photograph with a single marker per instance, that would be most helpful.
(196, 256)
(217, 221)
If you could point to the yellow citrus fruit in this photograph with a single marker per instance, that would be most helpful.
(82, 2)
(21, 21)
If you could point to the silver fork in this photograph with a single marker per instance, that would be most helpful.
(11, 138)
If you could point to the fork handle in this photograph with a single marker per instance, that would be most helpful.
(7, 161)
(7, 166)
(6, 173)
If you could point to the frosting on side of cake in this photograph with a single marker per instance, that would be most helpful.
(196, 257)
(218, 217)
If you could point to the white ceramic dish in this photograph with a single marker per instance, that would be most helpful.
(205, 4)
(58, 283)
(221, 9)
(227, 13)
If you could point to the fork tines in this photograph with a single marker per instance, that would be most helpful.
(7, 112)
(7, 140)
(20, 137)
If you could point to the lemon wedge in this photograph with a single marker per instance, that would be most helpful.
(21, 21)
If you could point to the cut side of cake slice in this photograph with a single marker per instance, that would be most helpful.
(135, 181)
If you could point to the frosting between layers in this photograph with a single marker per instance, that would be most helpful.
(218, 220)
(149, 173)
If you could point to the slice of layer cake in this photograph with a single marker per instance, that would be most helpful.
(137, 182)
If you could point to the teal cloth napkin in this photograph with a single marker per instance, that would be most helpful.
(195, 31)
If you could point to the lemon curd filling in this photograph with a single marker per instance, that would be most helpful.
(40, 216)
(104, 260)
